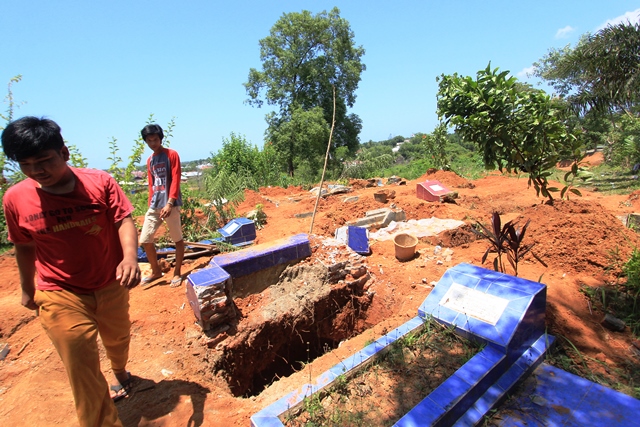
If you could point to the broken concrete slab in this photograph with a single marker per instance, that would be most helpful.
(379, 218)
(633, 221)
(393, 180)
(384, 195)
(420, 228)
(338, 189)
(315, 190)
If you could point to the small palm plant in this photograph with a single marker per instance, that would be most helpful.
(505, 240)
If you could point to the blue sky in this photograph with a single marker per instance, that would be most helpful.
(100, 68)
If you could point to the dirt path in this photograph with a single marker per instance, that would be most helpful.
(575, 239)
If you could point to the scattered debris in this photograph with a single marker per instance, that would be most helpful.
(314, 191)
(420, 228)
(380, 197)
(633, 221)
(449, 197)
(384, 195)
(4, 350)
(24, 346)
(379, 218)
(338, 189)
(394, 180)
(258, 216)
(613, 323)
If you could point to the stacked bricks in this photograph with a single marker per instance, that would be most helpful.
(353, 272)
(209, 290)
(208, 295)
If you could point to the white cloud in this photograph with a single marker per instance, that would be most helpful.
(526, 72)
(632, 17)
(563, 33)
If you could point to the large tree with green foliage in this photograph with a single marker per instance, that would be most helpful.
(514, 126)
(602, 72)
(302, 137)
(303, 59)
(599, 79)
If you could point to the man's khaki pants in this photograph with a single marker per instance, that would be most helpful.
(73, 322)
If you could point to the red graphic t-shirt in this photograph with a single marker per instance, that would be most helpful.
(77, 244)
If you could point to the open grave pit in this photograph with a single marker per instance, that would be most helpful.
(294, 317)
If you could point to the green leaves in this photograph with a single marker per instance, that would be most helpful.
(75, 157)
(600, 73)
(515, 127)
(225, 191)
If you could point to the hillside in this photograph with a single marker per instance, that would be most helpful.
(578, 240)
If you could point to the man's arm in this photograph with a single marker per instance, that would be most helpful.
(174, 190)
(128, 271)
(26, 259)
(176, 175)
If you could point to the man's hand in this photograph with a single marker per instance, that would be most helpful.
(27, 301)
(26, 260)
(128, 273)
(166, 211)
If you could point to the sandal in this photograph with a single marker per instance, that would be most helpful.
(150, 279)
(176, 282)
(122, 389)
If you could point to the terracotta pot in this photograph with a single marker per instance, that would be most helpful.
(405, 246)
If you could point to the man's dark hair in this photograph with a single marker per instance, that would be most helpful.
(152, 130)
(28, 136)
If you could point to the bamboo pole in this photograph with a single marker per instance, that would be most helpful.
(326, 159)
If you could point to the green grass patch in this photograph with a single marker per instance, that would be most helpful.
(380, 393)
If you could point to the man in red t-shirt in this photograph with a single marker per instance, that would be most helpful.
(73, 228)
(164, 174)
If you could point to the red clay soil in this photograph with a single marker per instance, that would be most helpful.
(176, 387)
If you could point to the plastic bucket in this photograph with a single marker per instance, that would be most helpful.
(405, 246)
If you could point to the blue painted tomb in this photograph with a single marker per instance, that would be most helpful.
(238, 232)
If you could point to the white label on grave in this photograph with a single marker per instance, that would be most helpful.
(436, 187)
(485, 307)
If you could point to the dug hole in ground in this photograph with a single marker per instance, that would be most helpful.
(185, 382)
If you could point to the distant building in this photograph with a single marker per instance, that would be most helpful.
(396, 148)
(186, 175)
(139, 174)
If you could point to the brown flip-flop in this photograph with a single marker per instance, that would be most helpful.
(123, 389)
